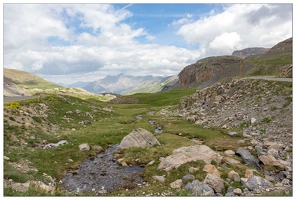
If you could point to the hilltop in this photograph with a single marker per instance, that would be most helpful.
(208, 71)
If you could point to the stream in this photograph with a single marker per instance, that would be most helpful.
(102, 174)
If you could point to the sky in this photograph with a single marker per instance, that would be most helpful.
(67, 43)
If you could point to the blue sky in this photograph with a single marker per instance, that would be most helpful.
(67, 43)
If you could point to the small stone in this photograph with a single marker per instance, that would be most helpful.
(193, 169)
(187, 178)
(229, 152)
(233, 134)
(159, 178)
(177, 184)
(237, 191)
(84, 147)
(6, 158)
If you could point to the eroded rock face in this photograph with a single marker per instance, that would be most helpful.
(188, 154)
(139, 138)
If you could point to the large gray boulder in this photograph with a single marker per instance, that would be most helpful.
(199, 188)
(138, 138)
(188, 154)
(257, 183)
(248, 158)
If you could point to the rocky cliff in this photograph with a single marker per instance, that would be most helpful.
(255, 61)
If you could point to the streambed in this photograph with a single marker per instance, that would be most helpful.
(102, 174)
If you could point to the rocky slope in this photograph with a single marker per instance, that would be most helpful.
(258, 111)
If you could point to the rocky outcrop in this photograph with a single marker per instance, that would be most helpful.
(249, 51)
(188, 154)
(211, 68)
(139, 138)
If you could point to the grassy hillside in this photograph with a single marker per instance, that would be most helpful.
(30, 123)
(25, 79)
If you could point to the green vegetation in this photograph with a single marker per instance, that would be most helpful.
(269, 66)
(109, 124)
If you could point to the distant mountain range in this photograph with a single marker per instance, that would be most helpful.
(125, 84)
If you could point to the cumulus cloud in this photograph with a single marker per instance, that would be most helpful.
(92, 39)
(66, 43)
(239, 26)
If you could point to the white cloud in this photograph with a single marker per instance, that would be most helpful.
(226, 43)
(106, 46)
(249, 24)
(72, 42)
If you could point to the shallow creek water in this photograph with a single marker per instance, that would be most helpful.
(102, 174)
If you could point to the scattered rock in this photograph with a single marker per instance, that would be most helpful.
(248, 158)
(253, 120)
(237, 191)
(249, 173)
(139, 138)
(159, 178)
(177, 184)
(234, 176)
(6, 158)
(233, 134)
(187, 178)
(199, 188)
(86, 122)
(211, 169)
(97, 148)
(257, 183)
(55, 145)
(193, 169)
(188, 154)
(84, 147)
(229, 152)
(214, 182)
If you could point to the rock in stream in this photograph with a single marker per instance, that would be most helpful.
(102, 174)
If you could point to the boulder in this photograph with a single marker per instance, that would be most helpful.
(270, 160)
(139, 138)
(214, 182)
(188, 154)
(257, 183)
(199, 188)
(248, 158)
